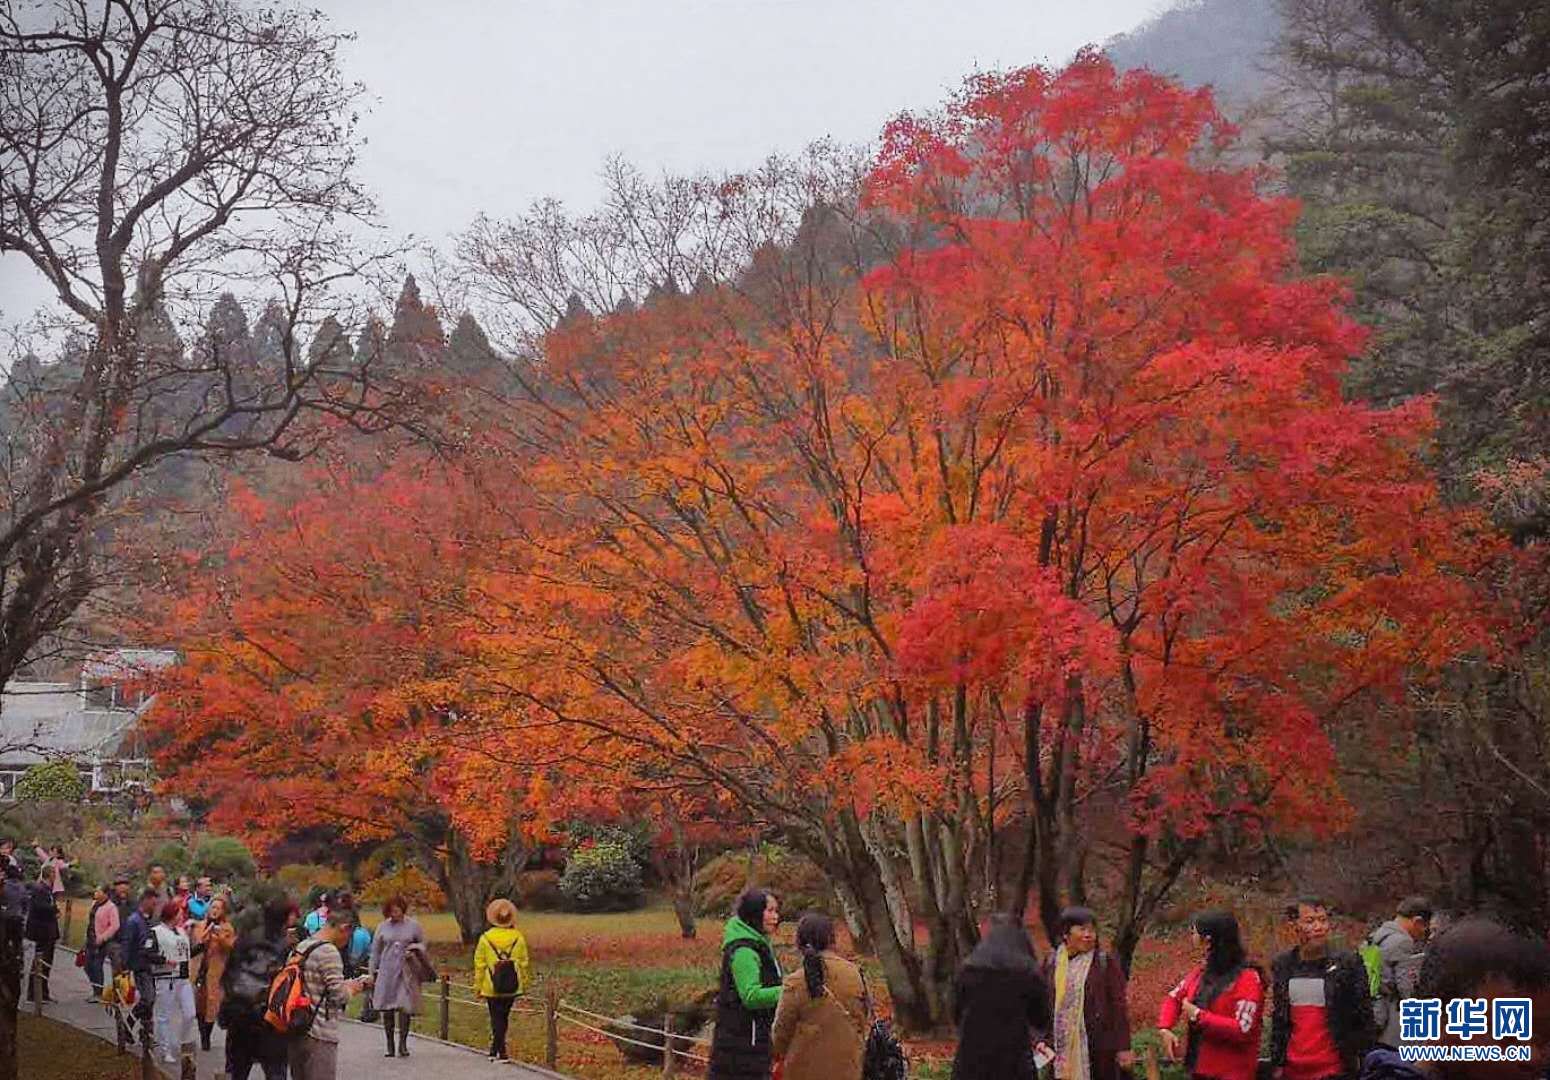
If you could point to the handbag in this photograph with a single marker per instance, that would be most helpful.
(419, 964)
(80, 958)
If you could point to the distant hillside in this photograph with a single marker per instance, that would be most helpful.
(1222, 43)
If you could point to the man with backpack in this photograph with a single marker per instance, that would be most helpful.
(357, 950)
(1393, 954)
(314, 1049)
(245, 983)
(501, 970)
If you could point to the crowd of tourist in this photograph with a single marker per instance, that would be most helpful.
(1333, 1013)
(172, 955)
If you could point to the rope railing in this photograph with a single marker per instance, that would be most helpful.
(626, 1039)
(670, 1044)
(626, 1024)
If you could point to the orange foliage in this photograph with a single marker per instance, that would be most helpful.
(1066, 470)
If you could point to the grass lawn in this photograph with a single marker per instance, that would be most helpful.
(609, 964)
(50, 1050)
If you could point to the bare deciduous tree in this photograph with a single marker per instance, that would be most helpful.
(154, 153)
(526, 274)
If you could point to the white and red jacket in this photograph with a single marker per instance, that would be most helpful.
(1224, 1039)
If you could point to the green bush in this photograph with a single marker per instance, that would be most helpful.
(174, 858)
(51, 781)
(798, 884)
(224, 859)
(539, 890)
(602, 876)
(635, 836)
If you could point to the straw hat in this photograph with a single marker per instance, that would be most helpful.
(501, 912)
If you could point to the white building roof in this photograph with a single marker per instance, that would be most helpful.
(41, 721)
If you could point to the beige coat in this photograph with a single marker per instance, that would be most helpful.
(210, 965)
(823, 1039)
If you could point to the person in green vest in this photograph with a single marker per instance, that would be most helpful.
(750, 990)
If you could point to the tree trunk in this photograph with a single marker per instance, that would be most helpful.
(683, 907)
(681, 867)
(921, 994)
(912, 1000)
(470, 885)
(850, 906)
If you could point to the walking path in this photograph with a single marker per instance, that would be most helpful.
(360, 1045)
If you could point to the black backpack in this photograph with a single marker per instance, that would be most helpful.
(505, 980)
(245, 983)
(884, 1058)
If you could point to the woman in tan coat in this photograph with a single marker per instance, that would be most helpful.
(821, 1025)
(213, 938)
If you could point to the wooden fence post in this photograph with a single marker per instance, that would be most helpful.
(552, 1028)
(669, 1059)
(446, 1005)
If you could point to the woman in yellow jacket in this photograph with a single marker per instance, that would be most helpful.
(501, 970)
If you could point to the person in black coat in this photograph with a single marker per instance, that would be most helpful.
(1001, 1002)
(43, 932)
(14, 902)
(260, 953)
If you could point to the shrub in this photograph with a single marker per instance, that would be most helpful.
(410, 882)
(224, 858)
(798, 883)
(602, 877)
(174, 858)
(635, 836)
(51, 781)
(298, 879)
(539, 890)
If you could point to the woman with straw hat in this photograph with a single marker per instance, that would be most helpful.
(501, 970)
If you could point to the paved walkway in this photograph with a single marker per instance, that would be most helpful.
(360, 1045)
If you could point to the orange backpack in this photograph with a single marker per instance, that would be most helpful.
(288, 1009)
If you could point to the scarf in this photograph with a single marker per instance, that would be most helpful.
(1071, 1062)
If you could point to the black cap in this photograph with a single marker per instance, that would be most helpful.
(1415, 907)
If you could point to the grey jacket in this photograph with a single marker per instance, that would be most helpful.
(1397, 973)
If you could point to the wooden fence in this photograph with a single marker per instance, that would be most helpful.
(556, 1011)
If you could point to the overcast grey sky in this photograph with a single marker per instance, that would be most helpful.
(486, 105)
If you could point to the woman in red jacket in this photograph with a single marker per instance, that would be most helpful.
(1223, 999)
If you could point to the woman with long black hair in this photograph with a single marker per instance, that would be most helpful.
(821, 1024)
(750, 990)
(1001, 1003)
(1223, 1001)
